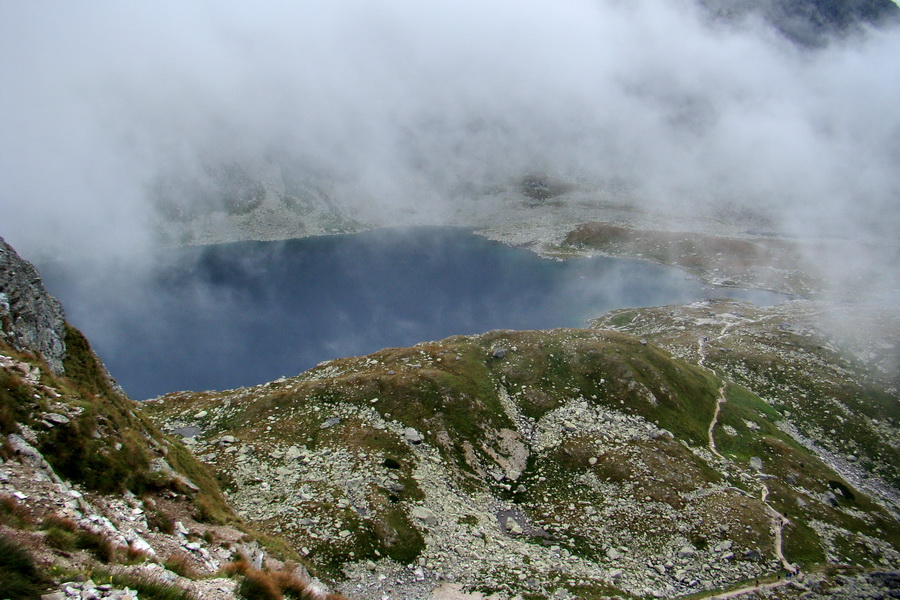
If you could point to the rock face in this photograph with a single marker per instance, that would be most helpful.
(811, 23)
(30, 318)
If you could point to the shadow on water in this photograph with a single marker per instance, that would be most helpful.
(224, 316)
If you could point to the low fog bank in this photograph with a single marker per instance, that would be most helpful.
(117, 119)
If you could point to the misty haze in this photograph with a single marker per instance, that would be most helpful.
(450, 300)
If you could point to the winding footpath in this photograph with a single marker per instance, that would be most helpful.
(719, 402)
(778, 523)
(714, 421)
(778, 520)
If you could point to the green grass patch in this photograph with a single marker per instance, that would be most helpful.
(16, 403)
(801, 544)
(622, 319)
(743, 407)
(20, 577)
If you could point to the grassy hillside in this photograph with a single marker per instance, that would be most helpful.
(527, 462)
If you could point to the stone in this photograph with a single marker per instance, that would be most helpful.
(756, 463)
(57, 419)
(499, 352)
(613, 554)
(513, 527)
(723, 546)
(201, 414)
(412, 436)
(330, 422)
(227, 439)
(395, 486)
(425, 515)
(687, 552)
(54, 596)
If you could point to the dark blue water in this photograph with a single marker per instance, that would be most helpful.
(224, 316)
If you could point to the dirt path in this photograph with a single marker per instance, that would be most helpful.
(778, 520)
(714, 421)
(719, 402)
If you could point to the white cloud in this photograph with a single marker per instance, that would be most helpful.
(403, 99)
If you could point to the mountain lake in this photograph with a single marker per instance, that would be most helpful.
(240, 314)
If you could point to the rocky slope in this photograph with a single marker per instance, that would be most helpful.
(830, 370)
(570, 463)
(95, 502)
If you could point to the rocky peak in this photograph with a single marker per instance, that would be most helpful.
(30, 318)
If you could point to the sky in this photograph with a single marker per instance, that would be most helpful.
(405, 101)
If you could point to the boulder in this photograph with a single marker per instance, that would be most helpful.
(425, 515)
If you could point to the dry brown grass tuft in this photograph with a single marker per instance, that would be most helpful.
(64, 523)
(237, 567)
(181, 564)
(14, 514)
(259, 585)
(273, 585)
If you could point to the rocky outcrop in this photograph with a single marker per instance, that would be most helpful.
(30, 318)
